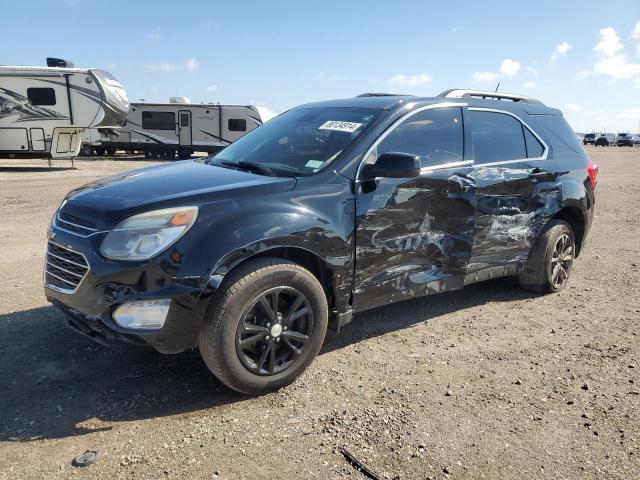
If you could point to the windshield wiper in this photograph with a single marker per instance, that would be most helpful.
(250, 166)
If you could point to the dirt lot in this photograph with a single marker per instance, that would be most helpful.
(489, 382)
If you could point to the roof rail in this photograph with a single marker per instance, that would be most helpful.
(382, 94)
(461, 93)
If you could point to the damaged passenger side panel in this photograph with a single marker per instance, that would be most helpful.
(413, 237)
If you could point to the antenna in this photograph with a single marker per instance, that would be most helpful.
(142, 100)
(497, 87)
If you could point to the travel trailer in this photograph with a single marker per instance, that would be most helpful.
(44, 110)
(179, 128)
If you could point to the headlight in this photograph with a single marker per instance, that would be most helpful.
(142, 236)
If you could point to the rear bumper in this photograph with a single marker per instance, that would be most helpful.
(107, 285)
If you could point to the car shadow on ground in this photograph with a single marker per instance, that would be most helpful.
(56, 383)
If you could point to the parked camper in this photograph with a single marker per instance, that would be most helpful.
(44, 110)
(164, 130)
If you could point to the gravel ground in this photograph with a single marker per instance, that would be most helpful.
(488, 382)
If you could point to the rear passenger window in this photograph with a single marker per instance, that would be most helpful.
(496, 137)
(435, 135)
(534, 148)
(41, 96)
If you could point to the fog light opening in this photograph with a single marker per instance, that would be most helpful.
(146, 314)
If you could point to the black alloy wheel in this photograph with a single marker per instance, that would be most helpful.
(274, 330)
(561, 261)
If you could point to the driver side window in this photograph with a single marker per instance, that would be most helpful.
(435, 135)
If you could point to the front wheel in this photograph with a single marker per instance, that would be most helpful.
(266, 327)
(549, 264)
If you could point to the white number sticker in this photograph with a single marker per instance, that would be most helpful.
(340, 126)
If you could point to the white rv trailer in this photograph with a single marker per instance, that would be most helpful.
(44, 110)
(164, 130)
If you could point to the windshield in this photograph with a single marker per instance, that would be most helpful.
(301, 141)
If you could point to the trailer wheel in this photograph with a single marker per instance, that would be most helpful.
(111, 151)
(86, 150)
(166, 154)
(99, 151)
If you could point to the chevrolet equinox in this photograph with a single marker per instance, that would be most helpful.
(329, 209)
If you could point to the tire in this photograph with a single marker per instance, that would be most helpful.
(221, 335)
(148, 154)
(86, 150)
(99, 151)
(539, 274)
(111, 151)
(166, 154)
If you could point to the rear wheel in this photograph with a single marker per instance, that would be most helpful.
(99, 151)
(266, 327)
(549, 264)
(166, 154)
(111, 151)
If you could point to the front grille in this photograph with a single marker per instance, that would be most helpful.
(75, 224)
(64, 268)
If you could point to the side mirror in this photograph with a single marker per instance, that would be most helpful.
(392, 165)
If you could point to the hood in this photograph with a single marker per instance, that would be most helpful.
(109, 200)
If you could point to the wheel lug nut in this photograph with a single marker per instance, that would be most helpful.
(267, 337)
(268, 324)
(277, 339)
(285, 327)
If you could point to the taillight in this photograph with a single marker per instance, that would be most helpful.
(592, 170)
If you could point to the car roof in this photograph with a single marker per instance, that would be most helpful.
(394, 102)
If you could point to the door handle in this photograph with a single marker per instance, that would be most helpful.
(537, 172)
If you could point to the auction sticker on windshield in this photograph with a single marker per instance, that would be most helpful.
(340, 126)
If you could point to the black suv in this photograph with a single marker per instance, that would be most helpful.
(328, 209)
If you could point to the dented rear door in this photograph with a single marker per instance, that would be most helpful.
(414, 236)
(516, 192)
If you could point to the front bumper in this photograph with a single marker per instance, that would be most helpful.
(109, 284)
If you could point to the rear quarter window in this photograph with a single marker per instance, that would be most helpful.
(557, 126)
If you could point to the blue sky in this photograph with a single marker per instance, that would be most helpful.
(582, 57)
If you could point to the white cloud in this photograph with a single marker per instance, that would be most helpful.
(212, 88)
(529, 84)
(612, 62)
(509, 67)
(635, 36)
(560, 51)
(332, 77)
(485, 76)
(113, 66)
(410, 80)
(532, 71)
(600, 120)
(609, 42)
(573, 107)
(189, 65)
